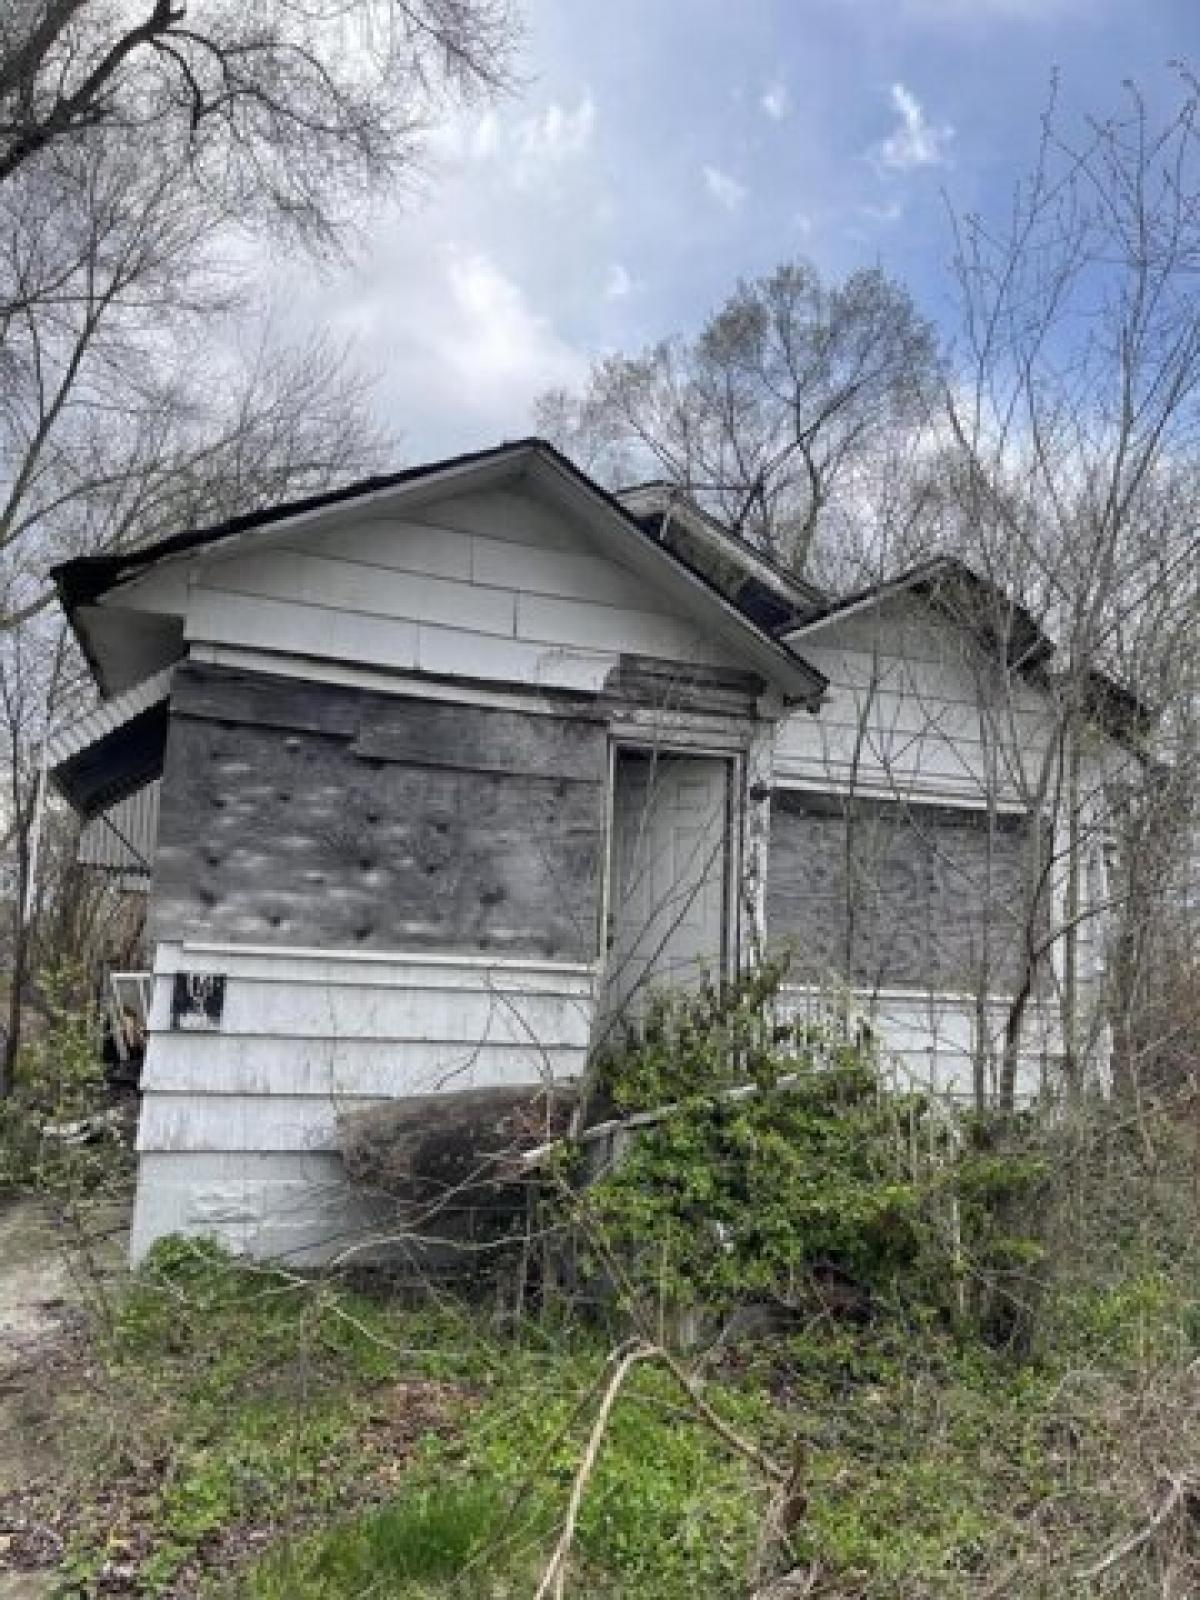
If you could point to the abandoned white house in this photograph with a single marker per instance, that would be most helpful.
(430, 774)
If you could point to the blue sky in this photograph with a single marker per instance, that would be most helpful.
(661, 148)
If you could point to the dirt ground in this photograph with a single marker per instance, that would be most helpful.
(43, 1317)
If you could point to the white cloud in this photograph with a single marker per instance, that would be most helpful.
(891, 212)
(619, 283)
(775, 101)
(461, 352)
(484, 137)
(557, 133)
(914, 142)
(531, 148)
(725, 190)
(494, 344)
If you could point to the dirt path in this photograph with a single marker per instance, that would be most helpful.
(43, 1318)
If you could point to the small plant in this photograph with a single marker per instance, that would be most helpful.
(57, 1134)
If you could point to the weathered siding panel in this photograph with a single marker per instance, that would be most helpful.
(490, 586)
(912, 708)
(930, 1043)
(239, 1129)
(336, 828)
(285, 1207)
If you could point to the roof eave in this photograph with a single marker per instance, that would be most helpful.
(88, 579)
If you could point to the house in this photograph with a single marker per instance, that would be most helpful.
(432, 776)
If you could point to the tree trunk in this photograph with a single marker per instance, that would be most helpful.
(20, 964)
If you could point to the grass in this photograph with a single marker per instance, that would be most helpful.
(246, 1434)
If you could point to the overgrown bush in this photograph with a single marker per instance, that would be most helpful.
(784, 1169)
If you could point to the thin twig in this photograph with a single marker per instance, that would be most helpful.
(1178, 1490)
(553, 1584)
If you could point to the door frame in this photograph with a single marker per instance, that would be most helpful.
(734, 757)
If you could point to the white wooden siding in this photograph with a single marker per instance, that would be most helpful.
(307, 1036)
(287, 1207)
(490, 585)
(903, 714)
(929, 1041)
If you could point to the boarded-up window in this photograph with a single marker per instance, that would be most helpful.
(885, 894)
(313, 814)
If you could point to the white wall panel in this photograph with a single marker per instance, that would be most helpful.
(307, 1036)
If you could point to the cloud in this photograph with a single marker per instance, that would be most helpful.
(462, 353)
(914, 142)
(557, 133)
(891, 212)
(775, 101)
(484, 138)
(530, 148)
(725, 190)
(493, 341)
(619, 283)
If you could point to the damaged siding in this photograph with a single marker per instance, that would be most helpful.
(239, 1131)
(402, 896)
(490, 585)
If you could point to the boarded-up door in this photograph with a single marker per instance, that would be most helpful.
(669, 875)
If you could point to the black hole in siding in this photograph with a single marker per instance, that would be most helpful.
(284, 796)
(365, 865)
(362, 934)
(275, 920)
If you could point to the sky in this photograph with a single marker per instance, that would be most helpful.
(658, 150)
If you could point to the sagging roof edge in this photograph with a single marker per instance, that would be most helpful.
(85, 579)
(677, 498)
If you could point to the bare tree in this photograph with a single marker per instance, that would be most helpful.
(766, 414)
(137, 400)
(1074, 422)
(287, 108)
(142, 387)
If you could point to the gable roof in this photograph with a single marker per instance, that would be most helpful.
(83, 582)
(1000, 623)
(960, 593)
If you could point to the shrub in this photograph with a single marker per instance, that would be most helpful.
(784, 1169)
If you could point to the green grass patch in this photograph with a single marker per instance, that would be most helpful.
(256, 1436)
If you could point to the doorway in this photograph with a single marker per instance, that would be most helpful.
(669, 875)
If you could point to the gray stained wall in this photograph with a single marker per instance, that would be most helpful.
(308, 814)
(897, 895)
